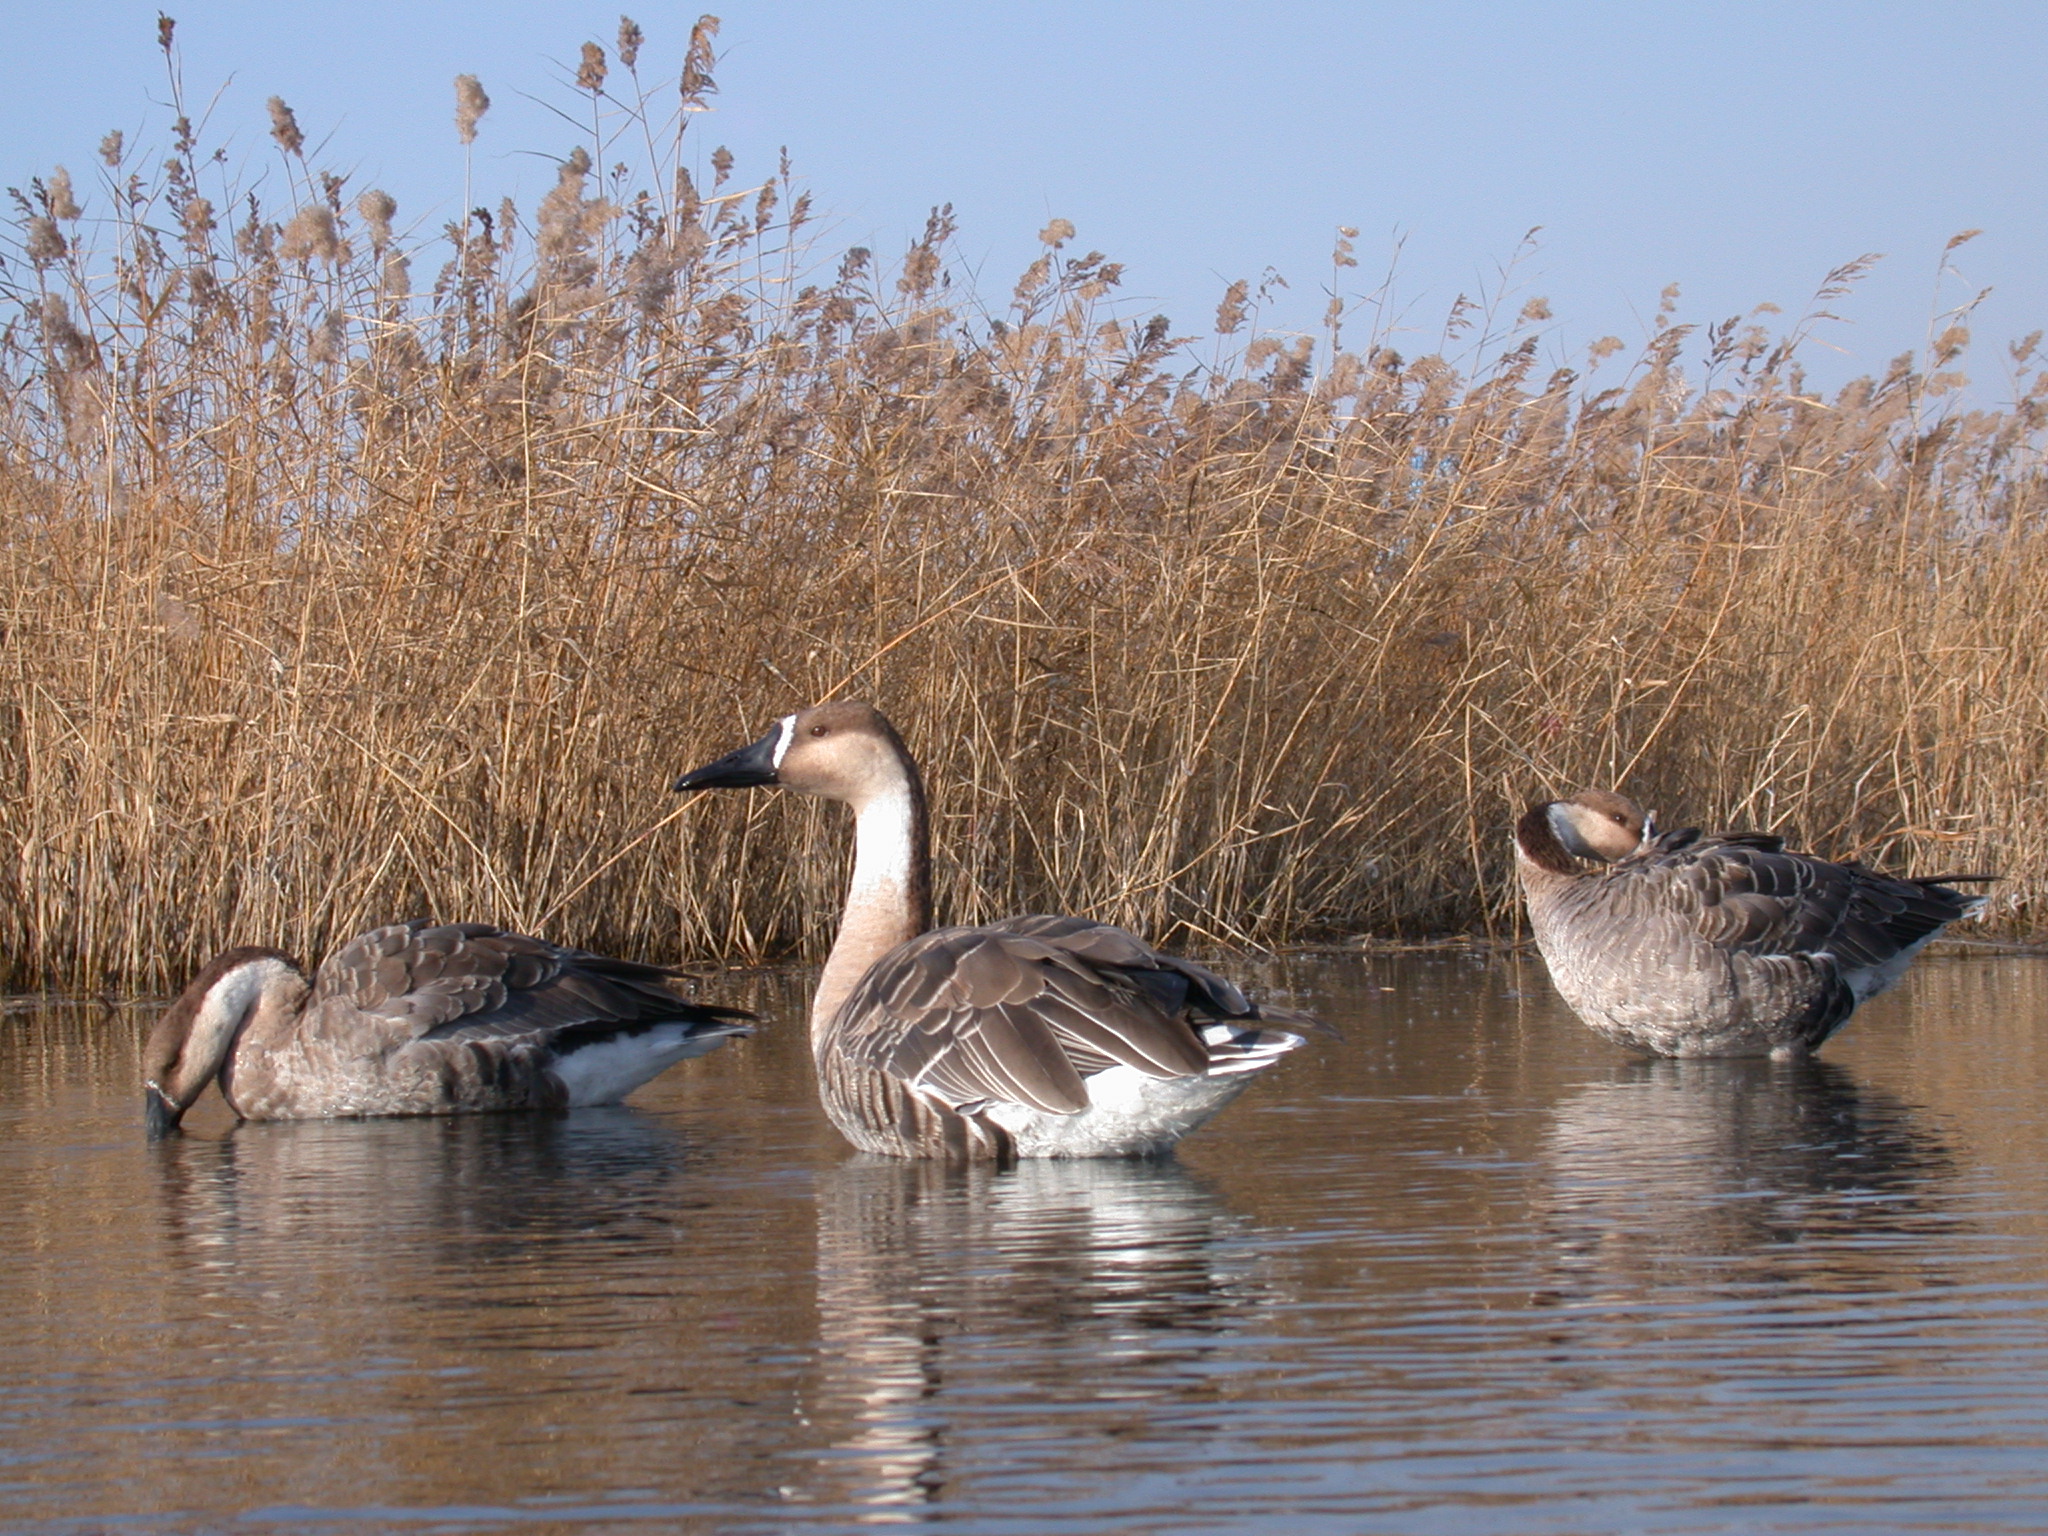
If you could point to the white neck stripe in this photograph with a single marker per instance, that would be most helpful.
(787, 725)
(230, 1003)
(883, 844)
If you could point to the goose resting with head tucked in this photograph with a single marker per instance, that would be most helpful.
(1684, 944)
(422, 1019)
(1031, 1037)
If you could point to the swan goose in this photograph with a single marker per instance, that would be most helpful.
(421, 1019)
(1029, 1037)
(1685, 944)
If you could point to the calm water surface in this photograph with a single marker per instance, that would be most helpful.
(1466, 1270)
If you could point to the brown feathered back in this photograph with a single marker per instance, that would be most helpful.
(1723, 945)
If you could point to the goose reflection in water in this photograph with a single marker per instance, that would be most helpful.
(490, 1307)
(1786, 1169)
(1083, 1282)
(412, 1207)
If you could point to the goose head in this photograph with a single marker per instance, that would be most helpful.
(839, 751)
(194, 1037)
(1599, 824)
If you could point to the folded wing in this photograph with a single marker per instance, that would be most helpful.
(1744, 894)
(465, 982)
(1022, 1011)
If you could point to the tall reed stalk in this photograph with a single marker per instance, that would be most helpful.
(327, 601)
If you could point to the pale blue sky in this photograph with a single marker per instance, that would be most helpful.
(1737, 148)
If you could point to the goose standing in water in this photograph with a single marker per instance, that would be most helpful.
(1683, 944)
(422, 1019)
(1031, 1037)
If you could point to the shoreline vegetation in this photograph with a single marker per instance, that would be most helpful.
(350, 576)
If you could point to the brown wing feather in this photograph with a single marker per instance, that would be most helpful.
(1021, 1011)
(1743, 893)
(1177, 983)
(472, 982)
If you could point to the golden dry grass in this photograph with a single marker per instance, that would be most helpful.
(326, 603)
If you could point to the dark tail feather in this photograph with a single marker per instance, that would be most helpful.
(1288, 1018)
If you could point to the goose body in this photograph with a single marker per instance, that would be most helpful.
(422, 1019)
(1031, 1037)
(1684, 944)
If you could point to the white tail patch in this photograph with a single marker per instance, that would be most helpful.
(1129, 1114)
(607, 1071)
(1234, 1049)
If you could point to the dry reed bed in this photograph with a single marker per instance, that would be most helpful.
(327, 603)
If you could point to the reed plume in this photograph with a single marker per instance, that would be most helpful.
(332, 598)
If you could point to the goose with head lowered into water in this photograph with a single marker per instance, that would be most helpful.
(422, 1019)
(1683, 944)
(1031, 1037)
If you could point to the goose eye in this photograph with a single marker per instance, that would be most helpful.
(821, 730)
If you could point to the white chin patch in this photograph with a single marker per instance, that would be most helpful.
(787, 727)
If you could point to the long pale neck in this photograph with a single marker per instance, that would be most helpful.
(889, 899)
(243, 995)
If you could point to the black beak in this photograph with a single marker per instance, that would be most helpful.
(744, 769)
(160, 1116)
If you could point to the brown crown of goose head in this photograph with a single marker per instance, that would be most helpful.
(1598, 824)
(194, 1037)
(839, 751)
